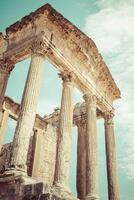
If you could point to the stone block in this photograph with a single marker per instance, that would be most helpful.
(27, 189)
(30, 197)
(49, 196)
(45, 197)
(38, 189)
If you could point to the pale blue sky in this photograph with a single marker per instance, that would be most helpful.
(110, 23)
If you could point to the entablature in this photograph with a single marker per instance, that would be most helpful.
(74, 52)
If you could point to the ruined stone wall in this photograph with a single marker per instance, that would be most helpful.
(5, 155)
(45, 154)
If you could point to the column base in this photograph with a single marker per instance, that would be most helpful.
(62, 187)
(92, 197)
(19, 167)
(17, 170)
(63, 191)
(14, 171)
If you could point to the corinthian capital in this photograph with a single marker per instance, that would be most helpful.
(6, 65)
(67, 76)
(81, 120)
(108, 116)
(90, 98)
(40, 46)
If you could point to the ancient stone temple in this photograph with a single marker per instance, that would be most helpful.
(36, 164)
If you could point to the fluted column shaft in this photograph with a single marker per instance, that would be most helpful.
(113, 187)
(3, 83)
(91, 150)
(81, 159)
(64, 140)
(5, 69)
(4, 120)
(27, 114)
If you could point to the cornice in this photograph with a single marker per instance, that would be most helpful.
(85, 45)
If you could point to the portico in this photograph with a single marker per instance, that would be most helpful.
(80, 65)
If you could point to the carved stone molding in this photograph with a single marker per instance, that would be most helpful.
(67, 76)
(6, 65)
(81, 120)
(39, 46)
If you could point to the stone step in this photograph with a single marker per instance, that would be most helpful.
(18, 186)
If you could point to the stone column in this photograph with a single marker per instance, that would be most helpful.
(64, 140)
(5, 68)
(27, 114)
(81, 158)
(113, 187)
(5, 115)
(91, 150)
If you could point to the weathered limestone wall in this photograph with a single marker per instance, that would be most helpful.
(5, 155)
(45, 154)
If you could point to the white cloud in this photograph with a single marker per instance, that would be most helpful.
(112, 29)
(113, 3)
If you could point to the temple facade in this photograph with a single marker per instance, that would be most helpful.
(36, 164)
